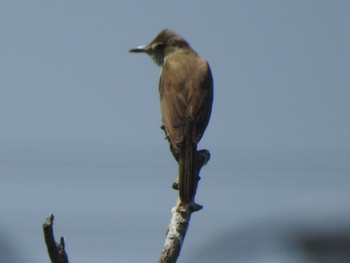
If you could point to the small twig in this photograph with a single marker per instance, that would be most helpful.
(56, 251)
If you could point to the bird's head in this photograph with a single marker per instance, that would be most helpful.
(166, 42)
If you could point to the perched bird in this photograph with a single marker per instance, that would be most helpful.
(186, 97)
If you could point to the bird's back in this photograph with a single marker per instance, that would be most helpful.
(186, 94)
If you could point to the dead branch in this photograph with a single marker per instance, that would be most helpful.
(56, 251)
(181, 213)
(176, 232)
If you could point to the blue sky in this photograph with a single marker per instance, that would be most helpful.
(281, 70)
(80, 118)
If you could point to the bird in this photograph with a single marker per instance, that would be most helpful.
(186, 98)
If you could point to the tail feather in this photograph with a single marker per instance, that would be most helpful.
(187, 166)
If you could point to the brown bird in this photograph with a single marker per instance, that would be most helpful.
(186, 96)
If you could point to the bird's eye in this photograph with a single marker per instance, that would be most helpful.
(159, 46)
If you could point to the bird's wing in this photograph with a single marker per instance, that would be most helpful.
(185, 88)
(172, 103)
(201, 104)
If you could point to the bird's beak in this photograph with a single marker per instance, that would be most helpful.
(139, 49)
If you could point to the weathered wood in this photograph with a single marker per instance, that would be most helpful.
(55, 250)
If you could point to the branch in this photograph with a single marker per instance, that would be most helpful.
(56, 250)
(175, 235)
(181, 213)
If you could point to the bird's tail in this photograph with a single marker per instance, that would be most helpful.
(187, 167)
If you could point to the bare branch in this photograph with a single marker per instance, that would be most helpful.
(56, 251)
(181, 213)
(175, 235)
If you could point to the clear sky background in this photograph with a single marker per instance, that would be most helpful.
(72, 96)
(281, 70)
